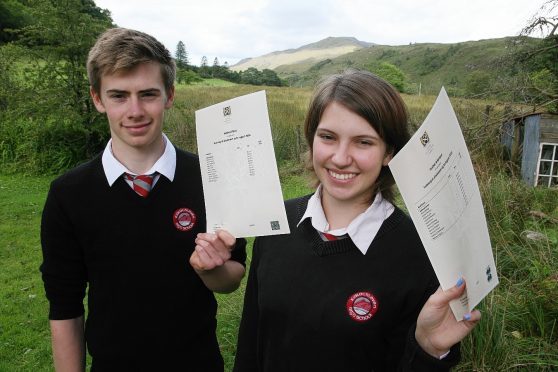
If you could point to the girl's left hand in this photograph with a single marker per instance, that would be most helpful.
(437, 329)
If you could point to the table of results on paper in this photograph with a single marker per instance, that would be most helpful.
(450, 197)
(243, 154)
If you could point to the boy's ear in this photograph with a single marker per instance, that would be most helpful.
(170, 98)
(97, 101)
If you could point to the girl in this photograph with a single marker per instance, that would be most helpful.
(344, 291)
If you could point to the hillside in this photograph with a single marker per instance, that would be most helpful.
(428, 65)
(330, 47)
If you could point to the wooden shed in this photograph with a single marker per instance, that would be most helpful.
(532, 141)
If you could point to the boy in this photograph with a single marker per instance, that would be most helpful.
(129, 225)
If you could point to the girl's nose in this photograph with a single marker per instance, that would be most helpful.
(342, 157)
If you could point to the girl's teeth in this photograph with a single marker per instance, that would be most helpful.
(344, 176)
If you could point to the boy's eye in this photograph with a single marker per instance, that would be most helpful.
(149, 94)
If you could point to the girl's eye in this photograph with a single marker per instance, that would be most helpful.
(325, 136)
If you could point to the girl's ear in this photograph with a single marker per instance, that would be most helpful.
(387, 157)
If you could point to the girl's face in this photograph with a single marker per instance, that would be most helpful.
(347, 155)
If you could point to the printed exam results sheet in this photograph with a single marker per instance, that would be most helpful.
(239, 172)
(435, 177)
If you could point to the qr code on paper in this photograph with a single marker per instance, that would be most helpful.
(275, 225)
(227, 111)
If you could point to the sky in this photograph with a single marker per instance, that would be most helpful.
(235, 29)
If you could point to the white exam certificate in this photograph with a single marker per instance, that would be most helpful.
(435, 177)
(239, 173)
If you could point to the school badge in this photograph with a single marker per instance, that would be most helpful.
(424, 139)
(362, 306)
(184, 219)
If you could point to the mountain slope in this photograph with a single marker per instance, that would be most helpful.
(328, 48)
(428, 65)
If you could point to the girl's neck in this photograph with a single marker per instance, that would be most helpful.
(340, 214)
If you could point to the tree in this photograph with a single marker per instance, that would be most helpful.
(538, 65)
(216, 62)
(204, 71)
(187, 76)
(181, 55)
(51, 93)
(253, 76)
(391, 73)
(478, 83)
(13, 16)
(270, 78)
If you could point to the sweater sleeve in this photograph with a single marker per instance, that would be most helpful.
(239, 252)
(246, 350)
(63, 269)
(416, 359)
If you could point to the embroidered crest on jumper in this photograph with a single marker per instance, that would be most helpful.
(362, 306)
(184, 219)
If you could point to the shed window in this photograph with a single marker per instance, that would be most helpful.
(547, 174)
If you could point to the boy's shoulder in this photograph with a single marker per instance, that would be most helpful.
(84, 173)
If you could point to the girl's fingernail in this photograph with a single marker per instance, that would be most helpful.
(467, 316)
(460, 282)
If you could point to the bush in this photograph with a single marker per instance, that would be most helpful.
(50, 148)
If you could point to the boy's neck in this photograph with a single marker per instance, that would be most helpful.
(138, 159)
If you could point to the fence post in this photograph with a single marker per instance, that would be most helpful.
(487, 114)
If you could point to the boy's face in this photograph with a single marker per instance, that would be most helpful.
(135, 102)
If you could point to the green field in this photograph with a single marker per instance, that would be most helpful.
(519, 329)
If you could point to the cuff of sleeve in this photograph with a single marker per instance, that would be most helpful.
(419, 360)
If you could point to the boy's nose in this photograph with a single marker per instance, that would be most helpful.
(135, 109)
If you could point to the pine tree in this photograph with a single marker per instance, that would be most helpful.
(181, 55)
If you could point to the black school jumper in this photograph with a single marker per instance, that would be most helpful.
(302, 312)
(147, 308)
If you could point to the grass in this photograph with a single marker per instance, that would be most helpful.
(210, 83)
(24, 332)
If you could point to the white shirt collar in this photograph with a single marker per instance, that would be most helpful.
(165, 165)
(362, 230)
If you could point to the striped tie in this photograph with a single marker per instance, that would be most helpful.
(142, 184)
(329, 236)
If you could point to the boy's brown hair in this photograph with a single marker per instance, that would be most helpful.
(121, 49)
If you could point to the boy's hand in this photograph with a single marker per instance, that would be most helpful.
(212, 250)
